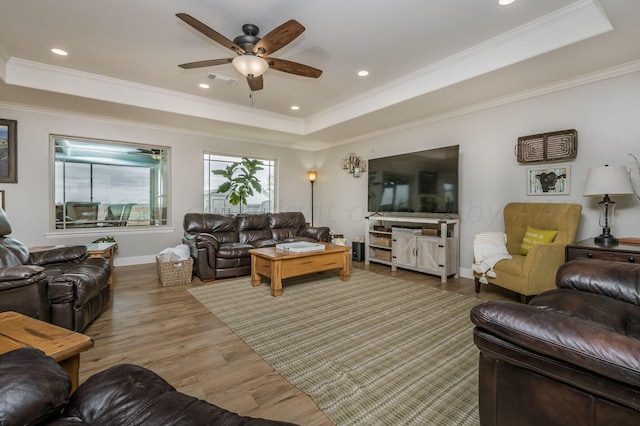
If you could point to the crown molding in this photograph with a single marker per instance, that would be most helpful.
(568, 25)
(594, 77)
(50, 78)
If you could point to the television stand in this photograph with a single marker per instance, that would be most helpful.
(426, 245)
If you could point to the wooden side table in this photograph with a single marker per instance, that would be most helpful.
(64, 346)
(588, 249)
(106, 251)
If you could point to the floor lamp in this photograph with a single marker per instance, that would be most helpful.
(312, 175)
(606, 181)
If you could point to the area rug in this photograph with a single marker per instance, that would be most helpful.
(374, 350)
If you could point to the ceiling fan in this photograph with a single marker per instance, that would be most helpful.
(253, 52)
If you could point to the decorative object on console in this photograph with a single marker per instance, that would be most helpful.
(312, 176)
(548, 180)
(8, 151)
(354, 164)
(606, 181)
(547, 147)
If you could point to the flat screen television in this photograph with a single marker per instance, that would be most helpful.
(424, 182)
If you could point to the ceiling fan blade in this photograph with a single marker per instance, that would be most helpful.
(293, 68)
(279, 37)
(255, 83)
(211, 33)
(208, 63)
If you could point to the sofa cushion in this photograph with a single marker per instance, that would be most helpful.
(253, 228)
(33, 387)
(8, 257)
(132, 395)
(286, 225)
(233, 250)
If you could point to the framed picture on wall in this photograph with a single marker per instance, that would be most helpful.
(548, 180)
(8, 151)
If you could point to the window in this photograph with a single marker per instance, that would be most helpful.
(104, 184)
(216, 202)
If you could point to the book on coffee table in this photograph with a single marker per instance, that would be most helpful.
(300, 247)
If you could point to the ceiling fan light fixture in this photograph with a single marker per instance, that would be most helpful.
(250, 65)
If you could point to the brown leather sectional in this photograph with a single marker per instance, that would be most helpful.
(34, 389)
(220, 244)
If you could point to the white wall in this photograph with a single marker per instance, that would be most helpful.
(605, 114)
(28, 203)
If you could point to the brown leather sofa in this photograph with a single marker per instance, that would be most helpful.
(62, 285)
(220, 244)
(34, 389)
(570, 357)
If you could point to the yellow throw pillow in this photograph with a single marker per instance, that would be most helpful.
(535, 236)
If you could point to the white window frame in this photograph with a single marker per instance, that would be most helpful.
(220, 202)
(144, 217)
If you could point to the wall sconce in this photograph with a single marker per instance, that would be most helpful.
(354, 164)
(312, 176)
(605, 181)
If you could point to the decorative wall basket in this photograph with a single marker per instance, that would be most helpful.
(547, 147)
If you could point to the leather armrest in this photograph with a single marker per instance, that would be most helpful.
(318, 233)
(577, 341)
(617, 280)
(19, 272)
(207, 241)
(59, 254)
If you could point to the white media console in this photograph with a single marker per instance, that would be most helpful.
(420, 244)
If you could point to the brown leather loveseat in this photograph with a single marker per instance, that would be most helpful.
(570, 357)
(62, 286)
(36, 390)
(220, 244)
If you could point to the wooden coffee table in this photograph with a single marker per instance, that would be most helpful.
(64, 346)
(279, 264)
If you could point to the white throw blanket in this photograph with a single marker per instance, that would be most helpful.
(488, 249)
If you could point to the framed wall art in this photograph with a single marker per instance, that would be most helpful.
(548, 180)
(8, 151)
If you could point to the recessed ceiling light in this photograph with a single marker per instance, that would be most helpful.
(505, 2)
(363, 73)
(203, 85)
(295, 107)
(59, 52)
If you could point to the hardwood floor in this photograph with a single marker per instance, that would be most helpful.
(168, 331)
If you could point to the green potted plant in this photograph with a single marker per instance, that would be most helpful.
(241, 180)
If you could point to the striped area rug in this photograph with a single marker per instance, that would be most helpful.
(374, 350)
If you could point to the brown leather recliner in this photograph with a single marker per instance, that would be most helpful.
(34, 389)
(220, 244)
(570, 357)
(62, 285)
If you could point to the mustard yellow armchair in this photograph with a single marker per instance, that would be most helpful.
(536, 272)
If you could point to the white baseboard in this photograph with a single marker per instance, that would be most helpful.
(134, 260)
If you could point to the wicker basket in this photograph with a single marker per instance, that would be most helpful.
(174, 272)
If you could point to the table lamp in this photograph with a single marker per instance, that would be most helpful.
(606, 181)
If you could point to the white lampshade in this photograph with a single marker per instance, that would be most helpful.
(250, 65)
(608, 180)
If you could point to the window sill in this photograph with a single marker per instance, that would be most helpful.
(98, 232)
